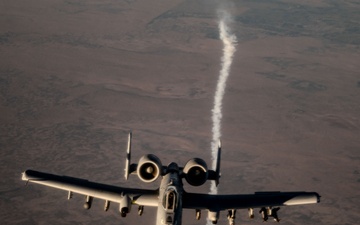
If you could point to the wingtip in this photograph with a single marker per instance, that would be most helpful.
(24, 176)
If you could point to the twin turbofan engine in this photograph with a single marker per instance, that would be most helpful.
(196, 172)
(150, 168)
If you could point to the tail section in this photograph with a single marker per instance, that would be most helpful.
(149, 168)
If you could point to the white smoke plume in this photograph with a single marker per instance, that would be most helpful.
(229, 42)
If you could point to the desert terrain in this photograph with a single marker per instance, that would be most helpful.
(76, 76)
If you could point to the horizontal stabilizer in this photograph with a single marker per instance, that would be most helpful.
(215, 175)
(217, 169)
(129, 168)
(128, 157)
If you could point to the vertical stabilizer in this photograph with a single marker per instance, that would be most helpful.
(128, 157)
(217, 169)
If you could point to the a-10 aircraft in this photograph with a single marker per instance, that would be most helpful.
(171, 198)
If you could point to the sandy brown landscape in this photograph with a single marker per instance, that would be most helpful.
(76, 76)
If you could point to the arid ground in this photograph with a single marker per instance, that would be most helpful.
(77, 75)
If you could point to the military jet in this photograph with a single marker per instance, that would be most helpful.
(171, 198)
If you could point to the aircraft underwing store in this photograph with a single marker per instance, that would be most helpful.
(170, 198)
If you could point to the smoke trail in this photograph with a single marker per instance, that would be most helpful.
(229, 43)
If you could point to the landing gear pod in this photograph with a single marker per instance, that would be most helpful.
(196, 172)
(149, 168)
(125, 205)
(213, 217)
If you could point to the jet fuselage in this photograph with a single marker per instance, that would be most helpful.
(169, 211)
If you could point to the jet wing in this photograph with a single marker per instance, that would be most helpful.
(96, 190)
(216, 203)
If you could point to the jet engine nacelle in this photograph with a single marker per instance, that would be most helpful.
(149, 168)
(196, 172)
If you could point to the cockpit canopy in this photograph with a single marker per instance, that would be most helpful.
(170, 200)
